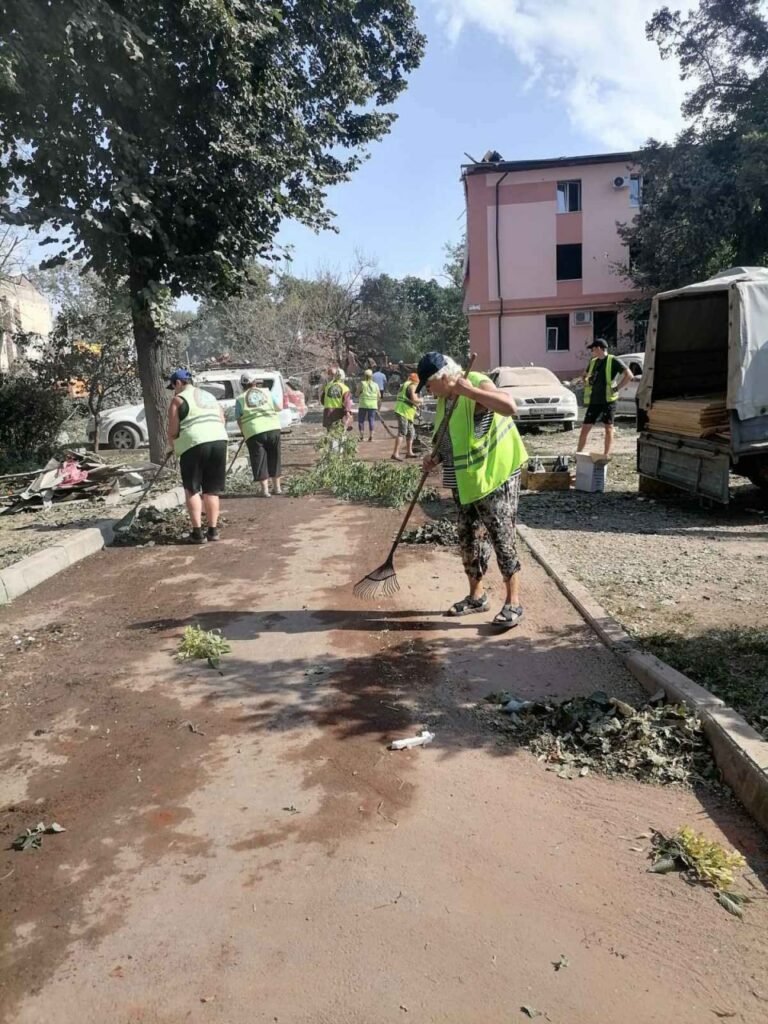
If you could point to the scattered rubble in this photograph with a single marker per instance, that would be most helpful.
(77, 477)
(439, 531)
(661, 743)
(32, 838)
(153, 526)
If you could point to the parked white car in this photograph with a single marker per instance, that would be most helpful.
(540, 397)
(626, 404)
(125, 427)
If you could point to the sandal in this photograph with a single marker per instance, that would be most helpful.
(396, 458)
(509, 616)
(468, 606)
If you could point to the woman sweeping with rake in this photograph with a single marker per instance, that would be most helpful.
(481, 452)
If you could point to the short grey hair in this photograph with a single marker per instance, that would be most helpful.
(450, 371)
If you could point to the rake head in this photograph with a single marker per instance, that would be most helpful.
(382, 582)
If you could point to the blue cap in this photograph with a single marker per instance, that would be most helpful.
(429, 365)
(180, 374)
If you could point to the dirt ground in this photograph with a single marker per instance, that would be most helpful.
(241, 845)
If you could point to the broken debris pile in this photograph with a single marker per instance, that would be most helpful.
(440, 531)
(152, 526)
(76, 477)
(658, 742)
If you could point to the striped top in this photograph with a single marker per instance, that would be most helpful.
(483, 418)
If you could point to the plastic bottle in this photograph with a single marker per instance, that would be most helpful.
(414, 741)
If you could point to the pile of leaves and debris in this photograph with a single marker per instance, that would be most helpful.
(206, 644)
(242, 482)
(32, 838)
(340, 473)
(439, 531)
(703, 861)
(153, 526)
(661, 743)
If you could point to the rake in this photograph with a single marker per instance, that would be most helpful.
(382, 582)
(127, 521)
(237, 453)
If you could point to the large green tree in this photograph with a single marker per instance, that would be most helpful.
(705, 196)
(166, 140)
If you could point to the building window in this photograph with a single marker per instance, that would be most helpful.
(569, 262)
(568, 196)
(558, 339)
(635, 190)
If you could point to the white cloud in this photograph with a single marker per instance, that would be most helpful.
(592, 55)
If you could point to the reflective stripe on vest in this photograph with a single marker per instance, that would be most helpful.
(610, 393)
(482, 464)
(403, 407)
(202, 422)
(258, 413)
(333, 396)
(369, 395)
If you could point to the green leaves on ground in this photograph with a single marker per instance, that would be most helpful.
(207, 644)
(339, 472)
(32, 838)
(730, 662)
(661, 743)
(704, 862)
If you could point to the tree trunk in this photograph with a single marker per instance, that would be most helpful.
(149, 356)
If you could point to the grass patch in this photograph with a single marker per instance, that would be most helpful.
(731, 663)
(206, 644)
(340, 473)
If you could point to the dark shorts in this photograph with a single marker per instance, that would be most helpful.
(204, 468)
(600, 413)
(264, 451)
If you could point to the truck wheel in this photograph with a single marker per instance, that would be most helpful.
(756, 470)
(569, 425)
(124, 437)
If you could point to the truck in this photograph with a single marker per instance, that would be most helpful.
(709, 338)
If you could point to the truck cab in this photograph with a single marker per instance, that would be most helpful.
(707, 341)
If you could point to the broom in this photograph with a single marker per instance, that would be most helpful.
(127, 521)
(382, 582)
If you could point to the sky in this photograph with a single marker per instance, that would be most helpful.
(529, 78)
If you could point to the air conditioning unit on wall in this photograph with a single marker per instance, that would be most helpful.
(581, 317)
(621, 182)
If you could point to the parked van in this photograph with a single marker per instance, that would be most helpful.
(709, 339)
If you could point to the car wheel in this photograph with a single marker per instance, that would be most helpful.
(569, 425)
(124, 437)
(756, 470)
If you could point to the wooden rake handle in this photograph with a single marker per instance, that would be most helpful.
(450, 406)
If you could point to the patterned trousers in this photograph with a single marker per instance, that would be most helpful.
(489, 525)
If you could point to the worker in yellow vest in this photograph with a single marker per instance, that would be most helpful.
(481, 454)
(257, 412)
(337, 401)
(198, 437)
(601, 392)
(368, 402)
(406, 404)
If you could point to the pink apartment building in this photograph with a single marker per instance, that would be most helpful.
(542, 252)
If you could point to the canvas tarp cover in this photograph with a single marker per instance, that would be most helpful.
(747, 392)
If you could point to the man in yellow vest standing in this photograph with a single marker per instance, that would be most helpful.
(481, 454)
(198, 437)
(337, 401)
(600, 394)
(406, 404)
(258, 415)
(368, 402)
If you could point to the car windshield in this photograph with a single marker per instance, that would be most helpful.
(525, 377)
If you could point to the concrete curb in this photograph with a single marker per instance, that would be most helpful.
(28, 572)
(740, 751)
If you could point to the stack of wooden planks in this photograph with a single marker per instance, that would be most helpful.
(691, 417)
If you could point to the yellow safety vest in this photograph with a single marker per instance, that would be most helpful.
(403, 406)
(258, 412)
(610, 392)
(482, 464)
(202, 422)
(369, 395)
(333, 396)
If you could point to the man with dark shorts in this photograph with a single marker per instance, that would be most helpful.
(198, 437)
(600, 392)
